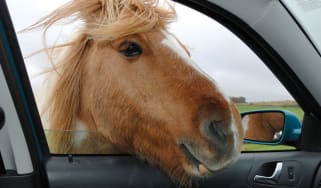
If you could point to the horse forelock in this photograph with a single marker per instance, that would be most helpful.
(111, 19)
(130, 17)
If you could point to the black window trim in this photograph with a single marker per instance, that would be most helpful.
(12, 64)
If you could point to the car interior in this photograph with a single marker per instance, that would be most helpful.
(25, 159)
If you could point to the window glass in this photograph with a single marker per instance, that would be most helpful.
(240, 74)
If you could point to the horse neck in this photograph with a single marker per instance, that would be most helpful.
(86, 141)
(80, 140)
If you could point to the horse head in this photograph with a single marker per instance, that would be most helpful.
(128, 78)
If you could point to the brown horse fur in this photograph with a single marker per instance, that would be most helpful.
(157, 105)
(263, 126)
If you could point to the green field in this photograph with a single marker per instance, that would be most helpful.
(260, 147)
(293, 108)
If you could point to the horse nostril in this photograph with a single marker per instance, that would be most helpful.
(215, 122)
(215, 130)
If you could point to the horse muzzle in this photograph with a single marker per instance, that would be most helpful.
(217, 145)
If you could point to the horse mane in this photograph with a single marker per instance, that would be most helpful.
(102, 20)
(110, 19)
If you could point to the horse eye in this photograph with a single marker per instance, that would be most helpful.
(130, 49)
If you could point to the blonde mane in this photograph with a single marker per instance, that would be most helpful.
(104, 22)
(100, 22)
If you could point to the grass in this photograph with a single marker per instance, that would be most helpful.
(261, 147)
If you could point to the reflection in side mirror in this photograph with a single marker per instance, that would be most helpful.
(264, 126)
(271, 127)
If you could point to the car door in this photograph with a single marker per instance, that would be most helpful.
(21, 153)
(26, 161)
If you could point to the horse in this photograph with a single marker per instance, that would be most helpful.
(263, 126)
(131, 82)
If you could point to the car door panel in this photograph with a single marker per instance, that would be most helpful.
(103, 171)
(242, 173)
(298, 168)
(127, 171)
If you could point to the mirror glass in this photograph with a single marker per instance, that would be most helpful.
(263, 126)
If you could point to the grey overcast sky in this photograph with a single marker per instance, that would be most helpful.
(238, 71)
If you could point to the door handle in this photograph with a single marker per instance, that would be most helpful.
(273, 179)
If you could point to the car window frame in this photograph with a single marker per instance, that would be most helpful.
(231, 22)
(35, 115)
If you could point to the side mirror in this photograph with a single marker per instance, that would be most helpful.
(271, 127)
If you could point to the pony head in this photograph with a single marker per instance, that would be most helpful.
(127, 77)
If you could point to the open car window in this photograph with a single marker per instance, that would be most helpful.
(218, 52)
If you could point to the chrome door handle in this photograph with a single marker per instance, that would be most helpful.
(273, 179)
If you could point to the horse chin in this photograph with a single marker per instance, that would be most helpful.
(204, 170)
(198, 165)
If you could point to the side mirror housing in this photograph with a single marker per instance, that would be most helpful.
(271, 127)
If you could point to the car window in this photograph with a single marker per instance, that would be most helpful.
(240, 74)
